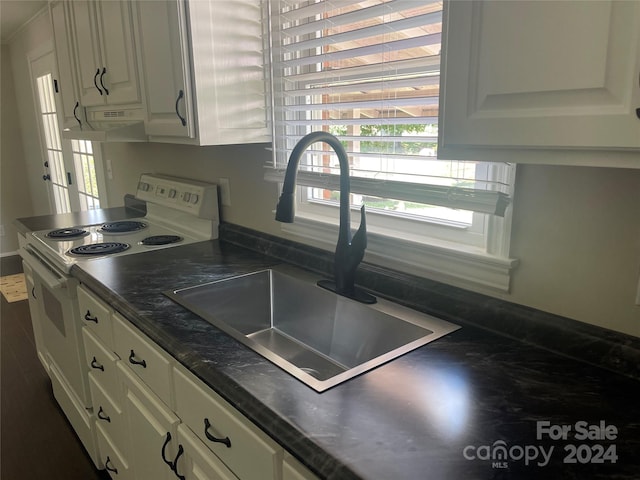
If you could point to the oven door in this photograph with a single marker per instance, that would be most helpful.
(57, 311)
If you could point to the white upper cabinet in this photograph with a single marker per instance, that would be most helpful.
(72, 111)
(203, 74)
(542, 82)
(165, 68)
(105, 52)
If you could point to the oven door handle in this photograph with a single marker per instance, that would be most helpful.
(40, 266)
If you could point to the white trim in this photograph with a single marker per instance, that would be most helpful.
(459, 266)
(9, 254)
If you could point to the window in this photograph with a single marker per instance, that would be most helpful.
(368, 72)
(84, 163)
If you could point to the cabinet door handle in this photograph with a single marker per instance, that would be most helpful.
(175, 463)
(95, 80)
(638, 112)
(163, 453)
(224, 440)
(103, 416)
(133, 361)
(111, 469)
(89, 318)
(76, 116)
(104, 70)
(182, 119)
(96, 365)
(33, 292)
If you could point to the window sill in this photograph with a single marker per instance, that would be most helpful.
(465, 267)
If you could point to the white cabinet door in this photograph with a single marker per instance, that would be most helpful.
(105, 54)
(198, 462)
(203, 71)
(165, 67)
(539, 74)
(88, 61)
(152, 430)
(115, 27)
(72, 111)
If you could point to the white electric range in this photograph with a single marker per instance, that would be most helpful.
(179, 212)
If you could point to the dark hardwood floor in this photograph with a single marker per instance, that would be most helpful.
(36, 440)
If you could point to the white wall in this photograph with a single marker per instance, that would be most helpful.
(15, 199)
(30, 39)
(576, 230)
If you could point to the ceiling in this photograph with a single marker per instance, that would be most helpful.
(15, 13)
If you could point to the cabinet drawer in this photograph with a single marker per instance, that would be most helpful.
(95, 315)
(109, 416)
(227, 433)
(111, 458)
(143, 358)
(102, 364)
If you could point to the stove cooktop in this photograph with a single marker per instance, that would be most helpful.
(71, 245)
(179, 212)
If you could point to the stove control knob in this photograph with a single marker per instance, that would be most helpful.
(187, 197)
(144, 186)
(194, 198)
(172, 193)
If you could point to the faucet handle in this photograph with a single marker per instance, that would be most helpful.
(359, 240)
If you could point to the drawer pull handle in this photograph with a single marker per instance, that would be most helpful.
(224, 440)
(133, 361)
(89, 318)
(96, 365)
(111, 469)
(103, 416)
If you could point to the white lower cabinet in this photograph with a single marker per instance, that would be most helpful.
(112, 458)
(231, 436)
(149, 362)
(152, 430)
(109, 415)
(154, 420)
(198, 462)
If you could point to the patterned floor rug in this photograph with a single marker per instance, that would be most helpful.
(13, 287)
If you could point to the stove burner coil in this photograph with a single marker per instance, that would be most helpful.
(65, 233)
(123, 226)
(106, 248)
(161, 240)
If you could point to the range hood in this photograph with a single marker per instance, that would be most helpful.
(110, 125)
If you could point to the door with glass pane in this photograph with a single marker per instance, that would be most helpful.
(69, 167)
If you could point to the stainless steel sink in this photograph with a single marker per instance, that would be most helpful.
(319, 337)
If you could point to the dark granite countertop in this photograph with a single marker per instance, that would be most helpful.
(133, 208)
(448, 410)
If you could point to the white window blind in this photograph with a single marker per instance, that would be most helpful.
(368, 72)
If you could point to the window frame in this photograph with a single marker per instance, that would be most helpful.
(432, 249)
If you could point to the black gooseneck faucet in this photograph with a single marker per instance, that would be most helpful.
(349, 253)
